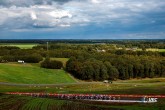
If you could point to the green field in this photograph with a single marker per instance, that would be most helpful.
(31, 74)
(20, 45)
(154, 50)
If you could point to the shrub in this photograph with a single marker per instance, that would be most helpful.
(47, 63)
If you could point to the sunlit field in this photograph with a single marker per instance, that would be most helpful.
(32, 74)
(20, 45)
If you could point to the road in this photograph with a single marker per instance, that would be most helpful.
(61, 84)
(77, 83)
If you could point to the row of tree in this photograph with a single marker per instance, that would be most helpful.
(69, 50)
(29, 58)
(116, 67)
(91, 69)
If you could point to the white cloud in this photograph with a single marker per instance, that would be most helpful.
(33, 16)
(95, 1)
(50, 14)
(64, 25)
(59, 14)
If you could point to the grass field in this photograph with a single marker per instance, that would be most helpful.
(161, 50)
(20, 45)
(154, 50)
(31, 74)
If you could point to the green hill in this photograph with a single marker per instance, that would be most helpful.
(32, 74)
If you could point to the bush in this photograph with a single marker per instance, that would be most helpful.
(47, 63)
(56, 64)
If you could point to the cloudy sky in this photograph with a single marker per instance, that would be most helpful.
(82, 19)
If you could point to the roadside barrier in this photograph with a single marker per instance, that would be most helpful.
(95, 97)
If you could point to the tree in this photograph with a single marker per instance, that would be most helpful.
(103, 72)
(70, 64)
(130, 70)
(96, 74)
(9, 58)
(151, 70)
(46, 63)
(111, 71)
(87, 71)
(162, 68)
(56, 64)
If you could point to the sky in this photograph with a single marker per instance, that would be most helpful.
(82, 19)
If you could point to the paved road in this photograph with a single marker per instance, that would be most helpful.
(61, 84)
(77, 83)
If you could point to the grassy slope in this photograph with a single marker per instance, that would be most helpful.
(30, 74)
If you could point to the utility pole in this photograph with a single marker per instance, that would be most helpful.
(47, 46)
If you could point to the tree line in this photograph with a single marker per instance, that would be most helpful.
(116, 67)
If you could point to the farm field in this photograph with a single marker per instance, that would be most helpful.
(148, 49)
(154, 49)
(20, 45)
(32, 74)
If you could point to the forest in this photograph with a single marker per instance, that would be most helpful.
(96, 61)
